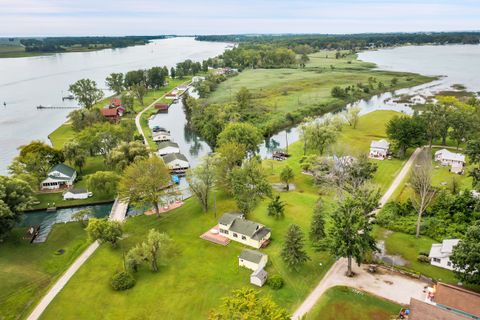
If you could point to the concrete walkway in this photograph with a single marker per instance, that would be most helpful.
(335, 276)
(58, 286)
(385, 284)
(118, 213)
(138, 117)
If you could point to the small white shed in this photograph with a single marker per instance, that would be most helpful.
(76, 194)
(259, 277)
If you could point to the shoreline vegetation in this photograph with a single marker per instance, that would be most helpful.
(27, 47)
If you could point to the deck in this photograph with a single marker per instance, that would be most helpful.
(216, 238)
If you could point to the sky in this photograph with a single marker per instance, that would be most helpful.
(153, 17)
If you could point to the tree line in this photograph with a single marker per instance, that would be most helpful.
(301, 42)
(58, 44)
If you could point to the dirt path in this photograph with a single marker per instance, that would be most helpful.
(400, 290)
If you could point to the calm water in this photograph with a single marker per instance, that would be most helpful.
(28, 82)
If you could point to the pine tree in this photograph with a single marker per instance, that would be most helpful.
(293, 253)
(276, 208)
(317, 228)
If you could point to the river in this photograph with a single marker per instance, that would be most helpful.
(31, 81)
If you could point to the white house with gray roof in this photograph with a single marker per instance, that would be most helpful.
(379, 149)
(76, 194)
(440, 253)
(252, 259)
(59, 177)
(456, 161)
(234, 226)
(176, 162)
(167, 147)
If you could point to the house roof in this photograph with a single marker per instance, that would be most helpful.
(77, 191)
(448, 155)
(174, 156)
(109, 112)
(251, 255)
(381, 144)
(63, 169)
(228, 217)
(260, 273)
(458, 298)
(245, 227)
(444, 249)
(162, 105)
(166, 144)
(116, 101)
(420, 310)
(261, 233)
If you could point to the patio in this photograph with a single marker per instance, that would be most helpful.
(213, 235)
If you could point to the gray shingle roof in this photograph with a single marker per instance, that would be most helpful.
(77, 191)
(165, 144)
(260, 273)
(64, 169)
(251, 255)
(174, 156)
(261, 233)
(229, 217)
(245, 227)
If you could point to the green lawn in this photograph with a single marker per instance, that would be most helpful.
(194, 282)
(350, 304)
(409, 247)
(307, 91)
(27, 270)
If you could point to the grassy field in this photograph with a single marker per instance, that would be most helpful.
(194, 282)
(307, 91)
(350, 304)
(27, 270)
(409, 247)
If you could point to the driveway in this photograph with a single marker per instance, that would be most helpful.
(388, 285)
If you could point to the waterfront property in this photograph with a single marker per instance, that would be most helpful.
(167, 147)
(440, 253)
(234, 226)
(73, 194)
(176, 162)
(59, 177)
(379, 149)
(456, 161)
(162, 107)
(112, 114)
(161, 136)
(115, 102)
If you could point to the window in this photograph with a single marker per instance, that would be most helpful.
(244, 238)
(437, 260)
(235, 235)
(449, 263)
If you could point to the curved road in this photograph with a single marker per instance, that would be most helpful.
(335, 275)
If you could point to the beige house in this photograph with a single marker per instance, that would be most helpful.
(234, 226)
(59, 177)
(379, 149)
(252, 259)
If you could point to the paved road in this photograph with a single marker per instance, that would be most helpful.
(139, 115)
(58, 286)
(336, 274)
(389, 285)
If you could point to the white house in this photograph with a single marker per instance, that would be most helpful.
(167, 147)
(252, 259)
(456, 161)
(60, 176)
(440, 253)
(76, 194)
(258, 277)
(379, 149)
(161, 136)
(176, 162)
(197, 79)
(235, 227)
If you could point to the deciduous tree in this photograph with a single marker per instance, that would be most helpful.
(201, 180)
(287, 175)
(104, 230)
(86, 92)
(466, 258)
(115, 82)
(103, 183)
(241, 133)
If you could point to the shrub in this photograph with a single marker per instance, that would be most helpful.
(275, 282)
(423, 259)
(423, 253)
(122, 281)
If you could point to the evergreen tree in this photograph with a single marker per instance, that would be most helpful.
(293, 253)
(317, 228)
(276, 208)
